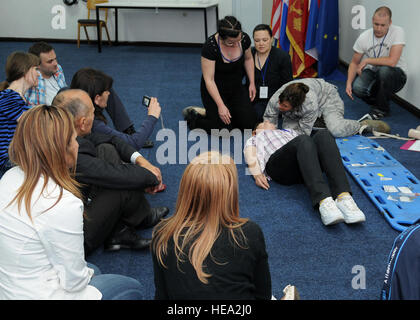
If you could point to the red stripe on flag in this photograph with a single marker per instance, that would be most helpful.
(276, 19)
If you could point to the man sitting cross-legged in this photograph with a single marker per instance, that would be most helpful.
(115, 177)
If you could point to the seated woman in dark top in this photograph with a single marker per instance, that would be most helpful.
(98, 85)
(206, 250)
(225, 59)
(273, 68)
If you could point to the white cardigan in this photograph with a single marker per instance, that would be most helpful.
(43, 259)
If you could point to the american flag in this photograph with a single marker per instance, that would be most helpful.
(279, 22)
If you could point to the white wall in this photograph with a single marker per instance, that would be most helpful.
(249, 13)
(32, 19)
(35, 18)
(404, 14)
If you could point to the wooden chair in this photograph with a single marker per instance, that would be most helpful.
(91, 5)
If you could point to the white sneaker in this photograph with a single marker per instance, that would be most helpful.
(290, 293)
(350, 210)
(330, 214)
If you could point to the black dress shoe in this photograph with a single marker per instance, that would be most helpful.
(156, 214)
(191, 119)
(148, 144)
(126, 238)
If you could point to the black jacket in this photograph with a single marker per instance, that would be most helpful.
(93, 171)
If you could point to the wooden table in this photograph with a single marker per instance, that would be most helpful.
(155, 5)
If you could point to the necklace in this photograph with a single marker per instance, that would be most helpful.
(227, 59)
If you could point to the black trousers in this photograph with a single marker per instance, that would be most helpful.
(304, 159)
(108, 209)
(116, 110)
(239, 105)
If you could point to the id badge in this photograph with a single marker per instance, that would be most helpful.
(263, 92)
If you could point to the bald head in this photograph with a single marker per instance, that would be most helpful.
(383, 12)
(381, 21)
(67, 99)
(80, 106)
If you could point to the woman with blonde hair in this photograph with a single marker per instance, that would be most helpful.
(41, 217)
(21, 74)
(206, 250)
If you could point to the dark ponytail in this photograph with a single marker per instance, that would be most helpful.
(295, 94)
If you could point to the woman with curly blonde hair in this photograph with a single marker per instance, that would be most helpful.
(206, 250)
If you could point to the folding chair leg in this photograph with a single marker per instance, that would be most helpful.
(107, 33)
(87, 36)
(78, 35)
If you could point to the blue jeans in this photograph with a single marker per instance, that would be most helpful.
(376, 87)
(116, 287)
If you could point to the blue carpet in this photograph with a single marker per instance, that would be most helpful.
(319, 260)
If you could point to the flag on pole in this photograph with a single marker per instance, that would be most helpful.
(279, 22)
(310, 43)
(327, 37)
(297, 20)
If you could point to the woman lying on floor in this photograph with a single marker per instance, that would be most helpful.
(289, 158)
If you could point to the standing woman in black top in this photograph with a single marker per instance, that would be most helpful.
(273, 68)
(206, 250)
(225, 59)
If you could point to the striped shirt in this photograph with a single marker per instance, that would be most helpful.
(12, 106)
(269, 141)
(38, 95)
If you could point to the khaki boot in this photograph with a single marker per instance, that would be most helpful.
(374, 125)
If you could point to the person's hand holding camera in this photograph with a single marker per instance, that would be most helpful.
(154, 108)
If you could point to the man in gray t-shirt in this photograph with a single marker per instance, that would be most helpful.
(382, 72)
